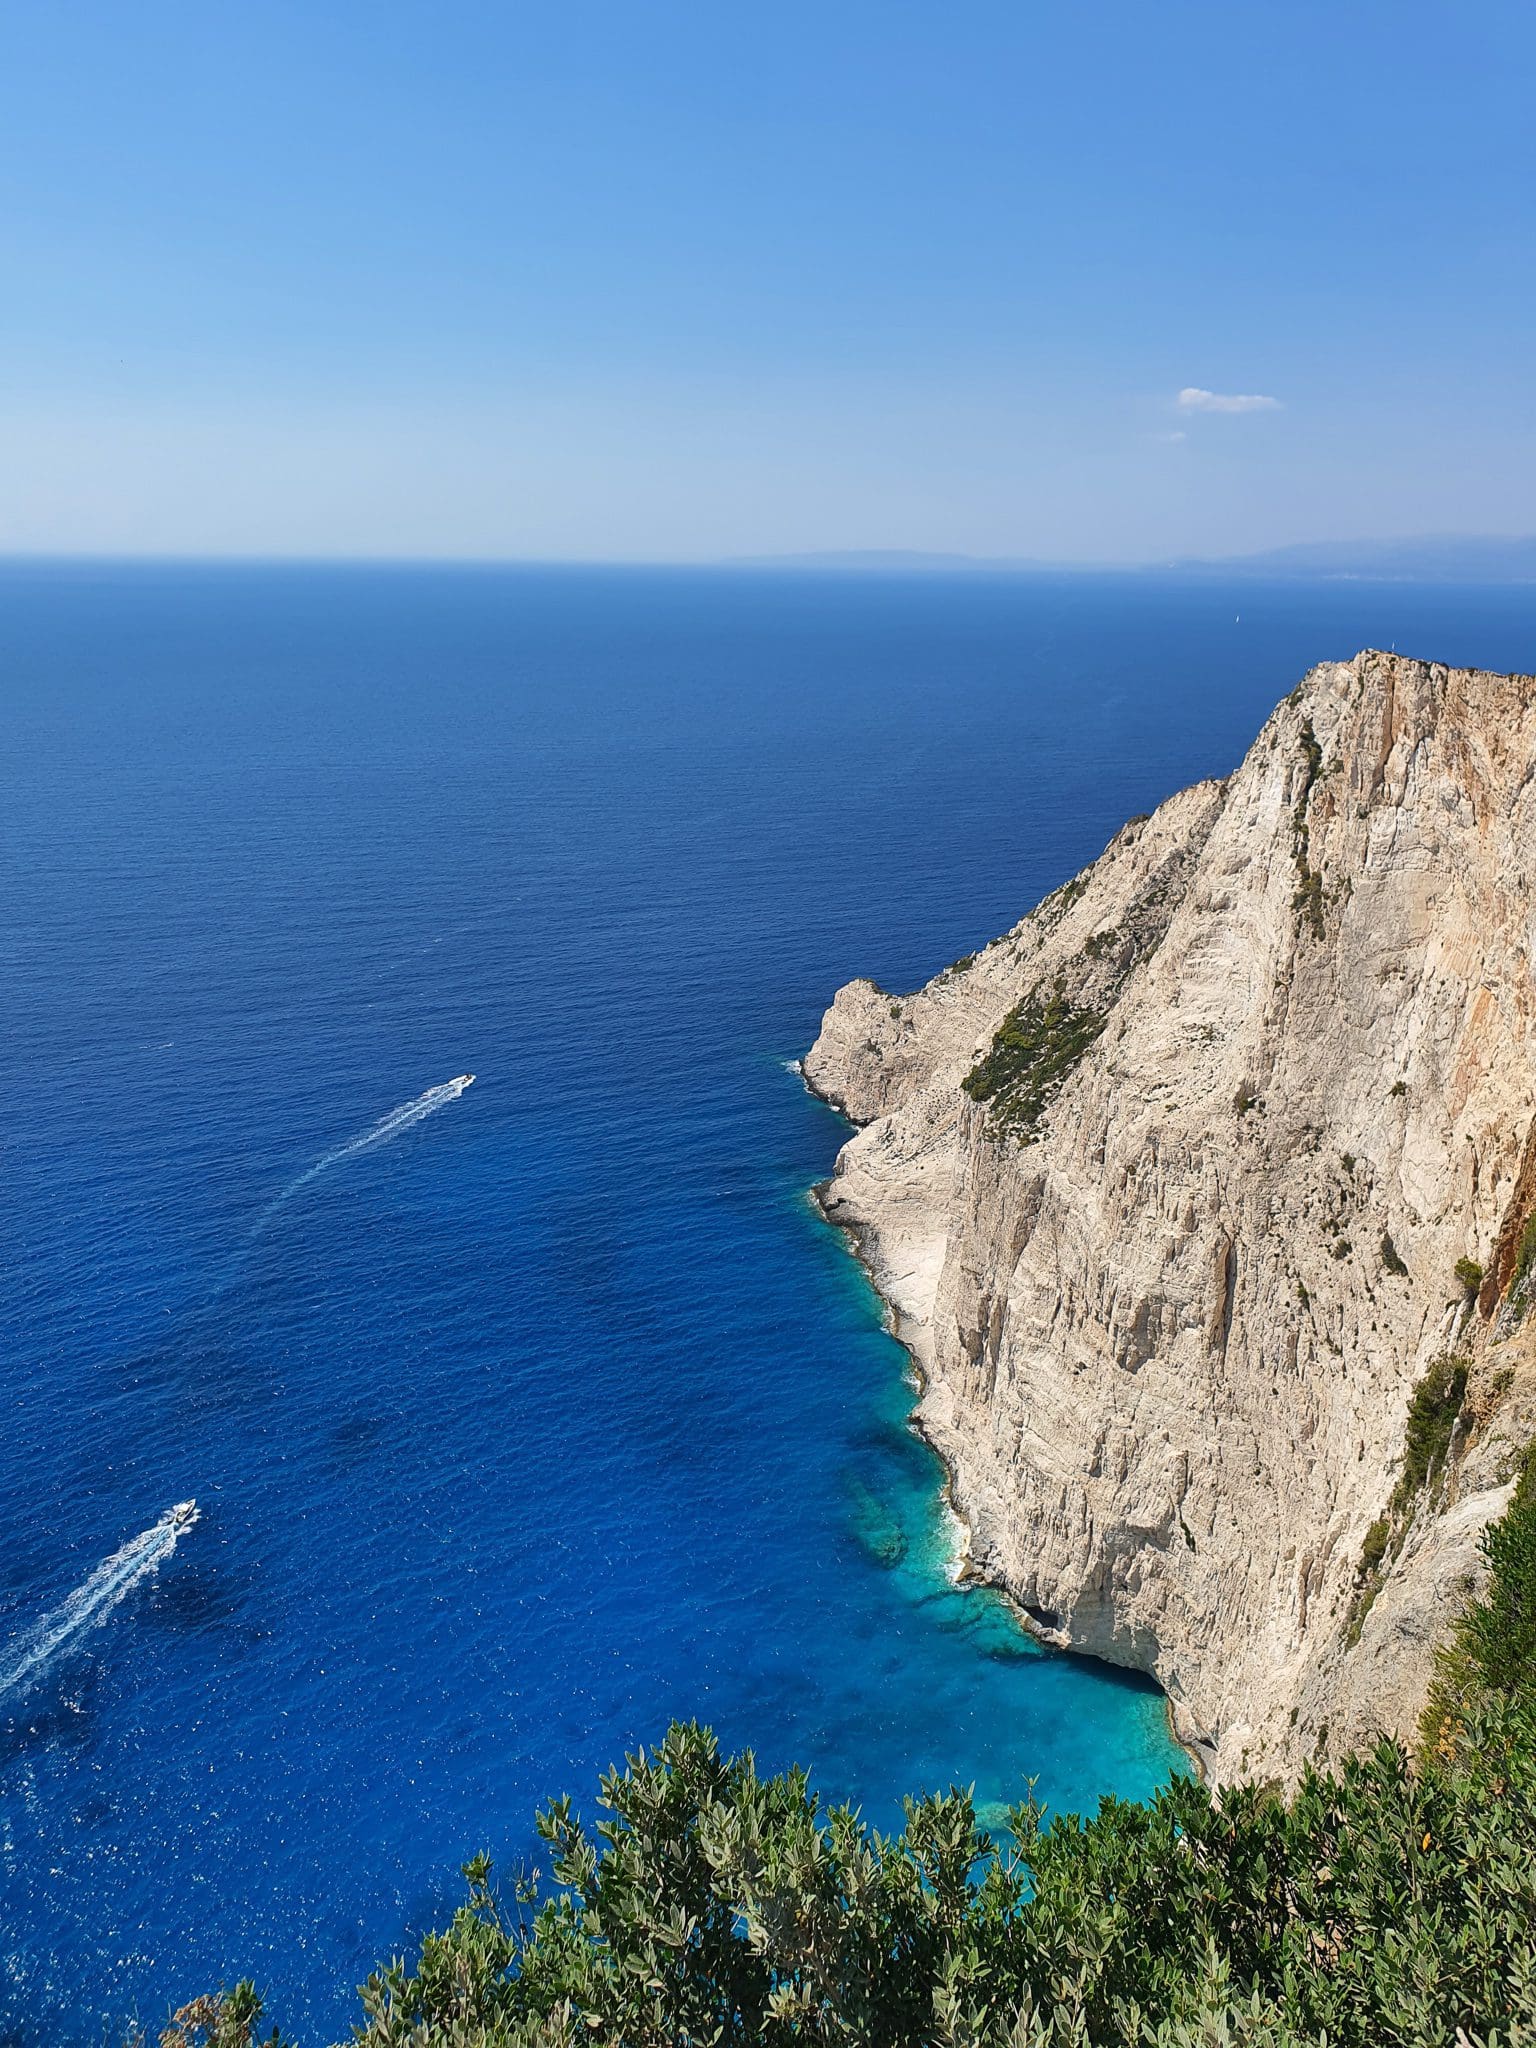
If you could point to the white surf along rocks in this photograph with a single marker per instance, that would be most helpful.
(1167, 1190)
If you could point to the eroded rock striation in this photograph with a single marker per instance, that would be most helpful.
(1168, 1188)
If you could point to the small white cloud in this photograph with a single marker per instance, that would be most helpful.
(1193, 399)
(1178, 434)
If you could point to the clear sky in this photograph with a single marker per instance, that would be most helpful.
(688, 278)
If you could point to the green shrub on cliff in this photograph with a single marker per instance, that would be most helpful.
(1432, 1415)
(1525, 1258)
(1036, 1046)
(1492, 1651)
(1500, 1629)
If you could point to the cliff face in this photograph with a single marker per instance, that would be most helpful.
(1240, 1097)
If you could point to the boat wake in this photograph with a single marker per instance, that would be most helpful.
(26, 1659)
(398, 1120)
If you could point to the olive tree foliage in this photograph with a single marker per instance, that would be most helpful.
(1379, 1905)
(222, 2019)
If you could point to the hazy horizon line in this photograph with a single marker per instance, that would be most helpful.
(1327, 558)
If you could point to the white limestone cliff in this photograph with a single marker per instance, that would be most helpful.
(1167, 1348)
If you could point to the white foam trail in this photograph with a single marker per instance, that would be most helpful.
(25, 1660)
(387, 1127)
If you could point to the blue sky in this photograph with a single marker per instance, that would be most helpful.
(676, 281)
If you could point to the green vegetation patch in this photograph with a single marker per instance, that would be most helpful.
(1374, 1549)
(1053, 908)
(1491, 1657)
(1500, 1629)
(1312, 754)
(1308, 899)
(1308, 896)
(1036, 1047)
(1432, 1417)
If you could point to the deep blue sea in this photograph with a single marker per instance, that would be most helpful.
(555, 1412)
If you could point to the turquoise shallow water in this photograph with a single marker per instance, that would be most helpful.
(557, 1412)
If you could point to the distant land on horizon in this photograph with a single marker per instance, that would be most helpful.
(1428, 558)
(1418, 558)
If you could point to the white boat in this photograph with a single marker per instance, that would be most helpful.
(183, 1515)
(461, 1080)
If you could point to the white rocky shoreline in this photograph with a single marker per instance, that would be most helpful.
(968, 1571)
